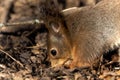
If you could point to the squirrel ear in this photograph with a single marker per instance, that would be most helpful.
(55, 26)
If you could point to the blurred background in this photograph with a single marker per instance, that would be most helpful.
(13, 10)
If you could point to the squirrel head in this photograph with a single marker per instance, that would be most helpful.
(59, 44)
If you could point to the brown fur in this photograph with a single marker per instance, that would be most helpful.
(93, 30)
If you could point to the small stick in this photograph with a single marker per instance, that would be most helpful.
(12, 58)
(18, 26)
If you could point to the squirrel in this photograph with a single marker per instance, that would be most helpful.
(78, 37)
(89, 32)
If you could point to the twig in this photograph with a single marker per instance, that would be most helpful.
(12, 58)
(20, 26)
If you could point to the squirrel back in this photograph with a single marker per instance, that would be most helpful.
(93, 30)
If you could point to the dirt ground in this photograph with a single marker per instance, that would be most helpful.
(23, 55)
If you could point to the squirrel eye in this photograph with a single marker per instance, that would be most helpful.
(55, 26)
(53, 52)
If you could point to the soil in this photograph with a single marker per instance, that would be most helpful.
(23, 55)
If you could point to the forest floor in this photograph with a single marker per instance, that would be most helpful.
(23, 55)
